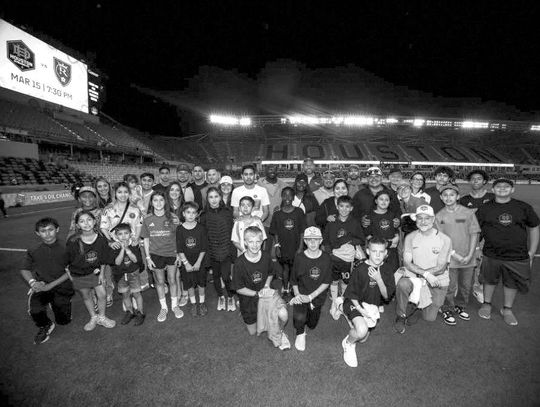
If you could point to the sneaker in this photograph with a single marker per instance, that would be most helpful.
(109, 301)
(178, 313)
(460, 311)
(203, 309)
(478, 293)
(231, 306)
(183, 300)
(336, 308)
(485, 311)
(400, 324)
(448, 317)
(44, 333)
(106, 322)
(300, 342)
(91, 325)
(365, 338)
(349, 353)
(509, 317)
(194, 310)
(162, 316)
(285, 344)
(221, 304)
(145, 287)
(128, 316)
(139, 318)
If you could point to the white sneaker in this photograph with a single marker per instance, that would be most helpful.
(300, 342)
(349, 353)
(478, 293)
(221, 304)
(178, 313)
(285, 344)
(105, 322)
(183, 300)
(162, 316)
(231, 306)
(91, 325)
(336, 308)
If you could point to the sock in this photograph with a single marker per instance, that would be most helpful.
(201, 299)
(333, 291)
(174, 302)
(193, 300)
(163, 303)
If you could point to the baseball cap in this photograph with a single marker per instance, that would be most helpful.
(374, 171)
(312, 233)
(450, 186)
(423, 210)
(87, 189)
(354, 166)
(503, 179)
(183, 167)
(328, 174)
(404, 184)
(226, 180)
(301, 177)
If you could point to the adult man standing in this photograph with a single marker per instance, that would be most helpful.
(212, 179)
(308, 167)
(273, 186)
(327, 188)
(353, 180)
(258, 193)
(442, 175)
(164, 173)
(198, 183)
(182, 175)
(425, 257)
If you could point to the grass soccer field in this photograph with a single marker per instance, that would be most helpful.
(212, 361)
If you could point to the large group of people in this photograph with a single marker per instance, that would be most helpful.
(271, 250)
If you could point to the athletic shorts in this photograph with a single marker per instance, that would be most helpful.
(350, 310)
(281, 268)
(194, 278)
(515, 274)
(130, 283)
(248, 308)
(161, 262)
(341, 270)
(88, 281)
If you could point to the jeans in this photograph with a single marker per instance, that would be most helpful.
(461, 281)
(404, 288)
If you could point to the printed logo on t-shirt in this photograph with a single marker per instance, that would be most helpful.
(288, 224)
(127, 260)
(372, 283)
(341, 232)
(151, 224)
(166, 224)
(132, 215)
(505, 219)
(486, 201)
(435, 250)
(314, 273)
(91, 256)
(256, 277)
(191, 242)
(471, 204)
(384, 224)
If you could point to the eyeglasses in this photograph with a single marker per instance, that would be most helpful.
(417, 179)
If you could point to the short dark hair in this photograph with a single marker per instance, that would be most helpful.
(190, 204)
(164, 167)
(377, 240)
(345, 199)
(44, 222)
(290, 189)
(382, 192)
(147, 174)
(128, 177)
(444, 170)
(248, 167)
(247, 198)
(122, 226)
(480, 172)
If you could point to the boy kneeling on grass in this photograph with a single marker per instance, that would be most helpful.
(126, 273)
(44, 271)
(261, 307)
(371, 281)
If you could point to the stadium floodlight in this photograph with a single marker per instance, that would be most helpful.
(392, 120)
(535, 127)
(418, 122)
(301, 119)
(358, 121)
(244, 121)
(230, 120)
(474, 125)
(462, 164)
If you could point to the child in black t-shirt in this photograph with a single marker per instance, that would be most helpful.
(288, 224)
(370, 280)
(192, 245)
(310, 278)
(126, 274)
(253, 273)
(44, 271)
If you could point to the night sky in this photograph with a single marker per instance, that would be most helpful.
(487, 49)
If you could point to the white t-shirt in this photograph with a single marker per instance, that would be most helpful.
(259, 195)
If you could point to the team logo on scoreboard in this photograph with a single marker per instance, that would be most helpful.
(62, 70)
(22, 56)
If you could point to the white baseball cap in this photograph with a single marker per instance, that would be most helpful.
(312, 233)
(423, 210)
(226, 180)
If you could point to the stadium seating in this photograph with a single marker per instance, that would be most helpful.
(115, 172)
(27, 171)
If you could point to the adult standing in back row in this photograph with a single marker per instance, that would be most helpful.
(250, 188)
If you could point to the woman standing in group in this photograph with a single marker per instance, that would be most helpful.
(226, 188)
(328, 212)
(103, 188)
(304, 198)
(418, 185)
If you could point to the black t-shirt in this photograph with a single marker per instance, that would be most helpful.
(84, 258)
(474, 203)
(436, 202)
(252, 275)
(364, 289)
(381, 225)
(308, 274)
(127, 265)
(160, 188)
(504, 227)
(289, 228)
(191, 242)
(47, 263)
(338, 233)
